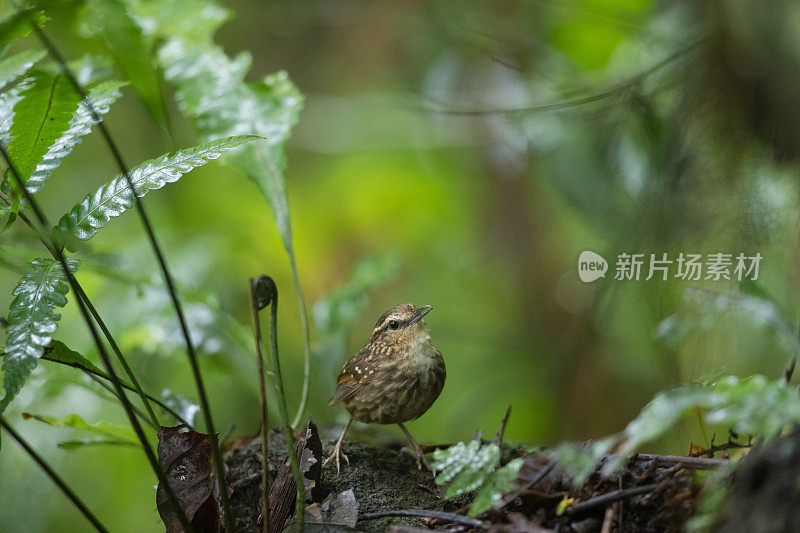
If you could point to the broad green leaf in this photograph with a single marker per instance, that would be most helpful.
(752, 305)
(101, 96)
(102, 429)
(131, 50)
(210, 88)
(115, 197)
(193, 20)
(753, 406)
(32, 322)
(500, 481)
(40, 118)
(15, 66)
(19, 25)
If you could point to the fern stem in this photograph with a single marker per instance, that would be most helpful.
(173, 293)
(300, 510)
(60, 483)
(151, 457)
(141, 414)
(150, 397)
(262, 392)
(120, 357)
(301, 302)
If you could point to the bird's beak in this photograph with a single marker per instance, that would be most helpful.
(421, 312)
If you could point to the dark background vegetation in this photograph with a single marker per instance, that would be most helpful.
(422, 147)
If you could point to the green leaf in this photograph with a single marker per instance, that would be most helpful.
(101, 96)
(115, 197)
(19, 25)
(61, 353)
(453, 460)
(500, 481)
(752, 406)
(210, 88)
(131, 50)
(15, 66)
(40, 118)
(471, 467)
(32, 322)
(752, 305)
(193, 20)
(103, 429)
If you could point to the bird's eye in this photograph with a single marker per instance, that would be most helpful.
(394, 324)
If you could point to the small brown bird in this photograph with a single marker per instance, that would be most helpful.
(395, 378)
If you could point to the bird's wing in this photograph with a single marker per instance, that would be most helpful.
(348, 381)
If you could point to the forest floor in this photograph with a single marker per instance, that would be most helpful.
(652, 493)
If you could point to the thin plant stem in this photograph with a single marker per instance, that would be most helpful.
(614, 91)
(173, 293)
(59, 254)
(120, 358)
(60, 483)
(300, 510)
(114, 347)
(141, 414)
(301, 302)
(150, 397)
(262, 391)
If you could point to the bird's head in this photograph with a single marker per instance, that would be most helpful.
(402, 325)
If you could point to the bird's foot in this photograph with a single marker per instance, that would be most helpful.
(337, 452)
(419, 457)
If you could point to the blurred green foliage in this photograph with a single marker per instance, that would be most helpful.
(488, 144)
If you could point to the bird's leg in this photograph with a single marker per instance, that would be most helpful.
(337, 451)
(417, 451)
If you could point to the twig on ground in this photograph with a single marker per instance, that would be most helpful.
(609, 497)
(714, 448)
(697, 463)
(425, 513)
(528, 486)
(498, 439)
